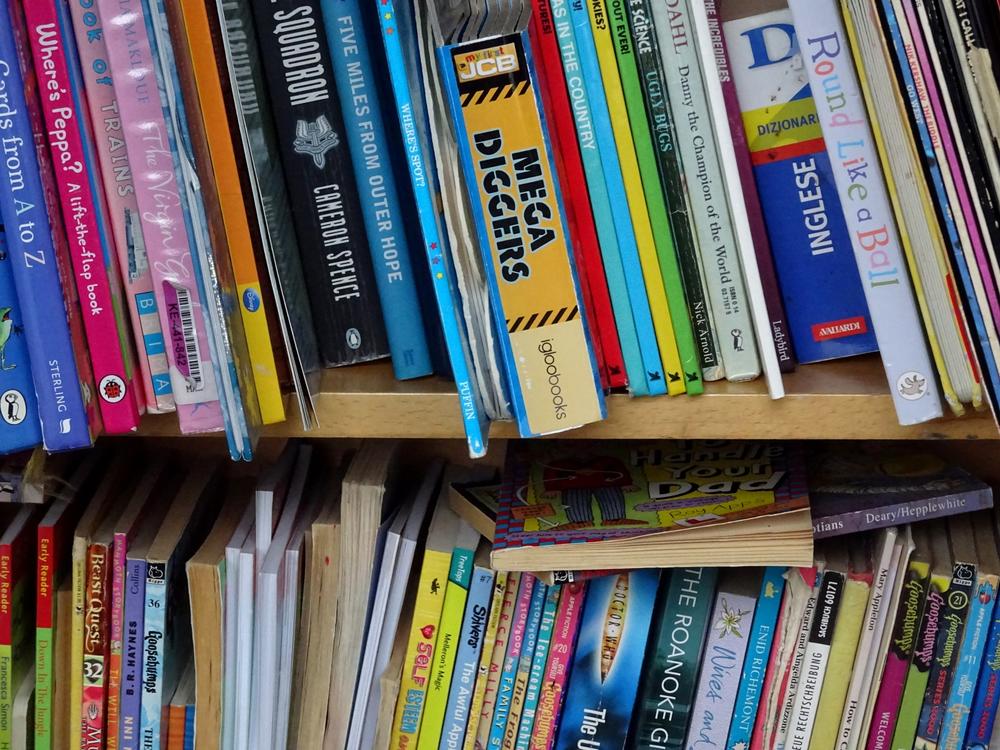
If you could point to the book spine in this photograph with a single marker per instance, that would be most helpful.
(446, 294)
(93, 264)
(132, 654)
(490, 670)
(817, 656)
(793, 673)
(496, 628)
(984, 705)
(446, 649)
(512, 657)
(720, 266)
(153, 652)
(970, 656)
(543, 642)
(61, 407)
(420, 649)
(556, 678)
(755, 666)
(897, 324)
(853, 522)
(203, 48)
(538, 301)
(760, 737)
(780, 329)
(123, 211)
(325, 203)
(78, 579)
(677, 641)
(631, 168)
(901, 645)
(95, 647)
(659, 217)
(157, 191)
(46, 569)
(119, 549)
(628, 299)
(523, 671)
(380, 207)
(7, 655)
(945, 661)
(580, 217)
(471, 639)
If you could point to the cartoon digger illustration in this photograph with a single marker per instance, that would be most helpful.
(577, 481)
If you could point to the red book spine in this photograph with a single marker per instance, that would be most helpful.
(7, 580)
(45, 593)
(82, 216)
(576, 198)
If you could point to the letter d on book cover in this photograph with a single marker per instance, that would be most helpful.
(506, 159)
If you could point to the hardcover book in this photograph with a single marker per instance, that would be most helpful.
(607, 665)
(18, 403)
(857, 491)
(827, 313)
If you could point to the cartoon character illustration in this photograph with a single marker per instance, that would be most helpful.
(575, 481)
(7, 328)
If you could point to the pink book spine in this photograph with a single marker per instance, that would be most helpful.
(890, 693)
(120, 410)
(553, 694)
(123, 210)
(151, 155)
(940, 134)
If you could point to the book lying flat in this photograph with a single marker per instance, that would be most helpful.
(567, 506)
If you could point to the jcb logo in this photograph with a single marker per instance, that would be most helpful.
(486, 63)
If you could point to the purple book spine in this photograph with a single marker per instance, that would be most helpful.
(883, 516)
(131, 681)
(762, 246)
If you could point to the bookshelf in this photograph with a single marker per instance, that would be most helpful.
(843, 400)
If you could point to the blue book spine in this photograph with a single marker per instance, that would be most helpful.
(61, 409)
(18, 406)
(196, 222)
(765, 620)
(586, 57)
(940, 194)
(189, 727)
(537, 673)
(600, 203)
(154, 652)
(410, 111)
(607, 666)
(970, 658)
(470, 647)
(987, 697)
(380, 205)
(130, 705)
(505, 688)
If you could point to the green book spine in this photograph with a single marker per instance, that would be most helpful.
(656, 203)
(43, 688)
(673, 659)
(685, 262)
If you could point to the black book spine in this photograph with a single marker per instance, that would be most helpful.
(319, 177)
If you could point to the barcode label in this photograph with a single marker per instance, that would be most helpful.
(189, 335)
(191, 375)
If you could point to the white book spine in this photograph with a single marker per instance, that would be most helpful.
(788, 700)
(861, 184)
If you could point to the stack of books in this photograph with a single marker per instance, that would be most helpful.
(544, 200)
(338, 600)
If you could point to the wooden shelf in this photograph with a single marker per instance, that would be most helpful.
(847, 399)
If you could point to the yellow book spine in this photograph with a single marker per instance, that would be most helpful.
(846, 635)
(420, 649)
(204, 63)
(500, 588)
(634, 194)
(79, 578)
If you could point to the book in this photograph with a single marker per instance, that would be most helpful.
(62, 410)
(539, 660)
(722, 656)
(676, 642)
(536, 309)
(167, 241)
(609, 652)
(848, 490)
(869, 219)
(760, 641)
(646, 494)
(827, 313)
(347, 32)
(607, 193)
(230, 622)
(325, 206)
(984, 703)
(500, 716)
(198, 41)
(247, 567)
(522, 670)
(557, 671)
